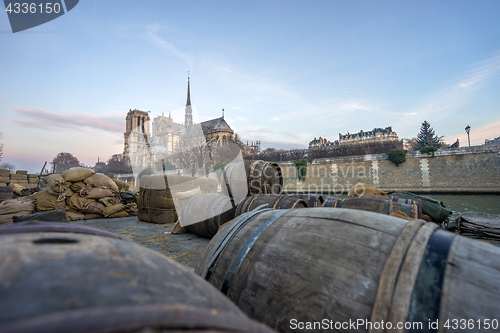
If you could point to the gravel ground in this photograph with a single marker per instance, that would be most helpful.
(186, 249)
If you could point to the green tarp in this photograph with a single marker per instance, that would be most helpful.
(433, 208)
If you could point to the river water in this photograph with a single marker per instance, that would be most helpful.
(485, 203)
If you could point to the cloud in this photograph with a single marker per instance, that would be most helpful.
(280, 138)
(236, 108)
(276, 118)
(40, 118)
(456, 94)
(477, 135)
(152, 33)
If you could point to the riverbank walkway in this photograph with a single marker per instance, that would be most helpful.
(186, 248)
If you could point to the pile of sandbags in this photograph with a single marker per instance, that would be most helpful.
(85, 195)
(15, 207)
(20, 179)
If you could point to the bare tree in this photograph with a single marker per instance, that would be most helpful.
(8, 166)
(118, 163)
(64, 161)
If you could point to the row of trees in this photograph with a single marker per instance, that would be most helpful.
(5, 165)
(116, 164)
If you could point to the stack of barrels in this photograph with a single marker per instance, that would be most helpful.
(246, 186)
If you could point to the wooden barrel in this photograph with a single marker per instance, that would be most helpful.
(292, 268)
(380, 204)
(331, 203)
(78, 282)
(203, 214)
(260, 177)
(5, 193)
(271, 201)
(155, 202)
(312, 200)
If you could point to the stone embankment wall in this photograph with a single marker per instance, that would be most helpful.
(457, 170)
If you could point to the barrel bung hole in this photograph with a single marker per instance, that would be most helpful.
(55, 241)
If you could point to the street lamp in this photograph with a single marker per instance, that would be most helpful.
(467, 129)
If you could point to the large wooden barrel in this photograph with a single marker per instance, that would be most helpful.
(155, 202)
(293, 268)
(312, 200)
(271, 201)
(259, 177)
(79, 282)
(381, 204)
(5, 193)
(203, 214)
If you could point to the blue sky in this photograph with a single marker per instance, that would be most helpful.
(285, 71)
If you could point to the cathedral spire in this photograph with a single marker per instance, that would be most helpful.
(188, 118)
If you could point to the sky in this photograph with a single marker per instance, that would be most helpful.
(284, 71)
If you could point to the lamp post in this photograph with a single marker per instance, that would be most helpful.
(467, 129)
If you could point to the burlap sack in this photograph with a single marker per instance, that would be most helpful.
(401, 215)
(46, 201)
(131, 209)
(361, 189)
(92, 216)
(80, 188)
(113, 209)
(17, 189)
(71, 216)
(77, 174)
(121, 213)
(122, 186)
(63, 196)
(77, 202)
(94, 207)
(69, 209)
(56, 184)
(15, 207)
(101, 181)
(12, 206)
(177, 229)
(98, 193)
(109, 201)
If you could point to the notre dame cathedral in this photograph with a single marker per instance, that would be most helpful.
(186, 145)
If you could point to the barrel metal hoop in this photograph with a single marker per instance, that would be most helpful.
(426, 295)
(245, 249)
(213, 257)
(341, 203)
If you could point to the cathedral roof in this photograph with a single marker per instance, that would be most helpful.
(215, 124)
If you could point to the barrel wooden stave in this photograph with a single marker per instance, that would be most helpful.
(203, 214)
(5, 193)
(81, 276)
(312, 200)
(271, 201)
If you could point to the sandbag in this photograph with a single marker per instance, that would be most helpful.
(361, 189)
(178, 229)
(14, 207)
(45, 201)
(109, 201)
(101, 181)
(113, 209)
(58, 215)
(120, 213)
(77, 202)
(94, 207)
(17, 189)
(77, 174)
(98, 193)
(63, 196)
(401, 215)
(131, 209)
(72, 216)
(56, 183)
(80, 188)
(122, 186)
(92, 216)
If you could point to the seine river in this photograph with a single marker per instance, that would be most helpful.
(485, 203)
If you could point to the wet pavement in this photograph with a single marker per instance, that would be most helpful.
(186, 248)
